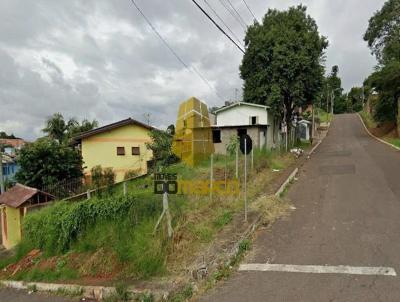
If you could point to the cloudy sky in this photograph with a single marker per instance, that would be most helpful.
(98, 59)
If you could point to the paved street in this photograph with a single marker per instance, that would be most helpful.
(348, 214)
(8, 295)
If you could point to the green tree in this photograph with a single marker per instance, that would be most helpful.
(383, 33)
(386, 82)
(161, 146)
(59, 129)
(356, 98)
(56, 127)
(282, 66)
(46, 162)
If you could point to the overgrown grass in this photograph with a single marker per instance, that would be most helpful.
(368, 119)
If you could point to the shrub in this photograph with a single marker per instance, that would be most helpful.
(55, 228)
(131, 173)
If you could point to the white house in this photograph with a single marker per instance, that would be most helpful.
(243, 118)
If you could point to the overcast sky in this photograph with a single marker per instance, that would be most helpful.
(98, 59)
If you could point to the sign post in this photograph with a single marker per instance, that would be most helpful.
(211, 176)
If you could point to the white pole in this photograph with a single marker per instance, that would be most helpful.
(125, 188)
(211, 176)
(167, 214)
(245, 180)
(237, 162)
(252, 159)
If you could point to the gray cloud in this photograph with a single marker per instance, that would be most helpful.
(99, 59)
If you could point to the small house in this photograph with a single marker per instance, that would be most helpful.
(14, 205)
(242, 118)
(10, 166)
(120, 146)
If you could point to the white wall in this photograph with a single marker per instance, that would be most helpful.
(240, 115)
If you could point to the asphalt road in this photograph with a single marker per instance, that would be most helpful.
(347, 201)
(8, 295)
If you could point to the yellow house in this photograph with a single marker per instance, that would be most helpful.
(14, 205)
(120, 146)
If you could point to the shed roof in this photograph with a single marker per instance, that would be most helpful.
(19, 194)
(241, 104)
(128, 121)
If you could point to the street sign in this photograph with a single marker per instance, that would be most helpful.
(249, 144)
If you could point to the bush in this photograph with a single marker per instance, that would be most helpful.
(55, 228)
(131, 173)
(102, 177)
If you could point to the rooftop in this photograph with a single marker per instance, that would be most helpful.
(240, 104)
(19, 194)
(128, 121)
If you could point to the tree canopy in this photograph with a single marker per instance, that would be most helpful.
(383, 33)
(383, 37)
(282, 66)
(46, 162)
(59, 129)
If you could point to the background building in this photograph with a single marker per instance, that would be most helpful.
(244, 118)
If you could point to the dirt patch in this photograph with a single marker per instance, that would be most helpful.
(24, 264)
(384, 129)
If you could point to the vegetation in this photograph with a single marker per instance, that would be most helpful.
(5, 135)
(62, 131)
(111, 236)
(161, 146)
(282, 66)
(102, 177)
(46, 161)
(383, 37)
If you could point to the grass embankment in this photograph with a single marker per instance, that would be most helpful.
(372, 125)
(110, 237)
(368, 119)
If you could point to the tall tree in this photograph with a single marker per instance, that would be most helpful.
(282, 66)
(59, 129)
(335, 91)
(383, 37)
(383, 33)
(56, 127)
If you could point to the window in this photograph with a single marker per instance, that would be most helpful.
(135, 150)
(216, 136)
(253, 120)
(120, 150)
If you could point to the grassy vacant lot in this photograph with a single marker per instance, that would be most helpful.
(110, 237)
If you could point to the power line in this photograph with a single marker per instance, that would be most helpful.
(232, 14)
(216, 24)
(219, 18)
(248, 7)
(234, 9)
(192, 68)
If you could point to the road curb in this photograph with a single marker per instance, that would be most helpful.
(91, 292)
(375, 137)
